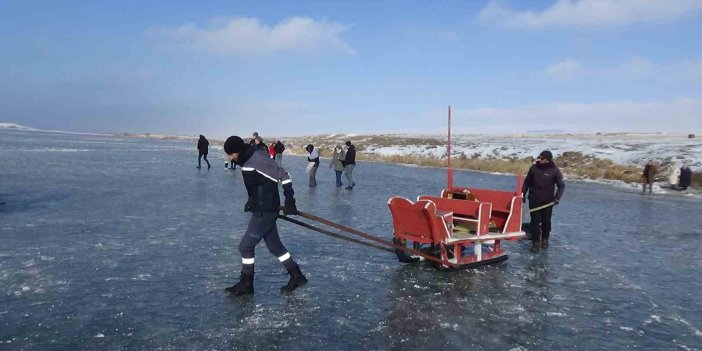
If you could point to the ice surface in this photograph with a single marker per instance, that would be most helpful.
(128, 246)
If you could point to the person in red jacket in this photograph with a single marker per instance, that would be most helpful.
(271, 150)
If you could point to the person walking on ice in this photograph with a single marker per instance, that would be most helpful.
(271, 150)
(279, 148)
(337, 163)
(349, 164)
(202, 150)
(261, 177)
(313, 164)
(540, 183)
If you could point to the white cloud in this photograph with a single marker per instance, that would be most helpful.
(620, 116)
(248, 37)
(675, 71)
(565, 69)
(637, 68)
(590, 13)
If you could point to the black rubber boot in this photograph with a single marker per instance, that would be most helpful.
(535, 246)
(243, 287)
(544, 243)
(297, 279)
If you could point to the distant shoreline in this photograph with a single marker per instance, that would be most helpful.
(389, 148)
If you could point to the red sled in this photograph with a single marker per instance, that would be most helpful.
(462, 228)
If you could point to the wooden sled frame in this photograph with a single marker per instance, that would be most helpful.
(426, 222)
(506, 206)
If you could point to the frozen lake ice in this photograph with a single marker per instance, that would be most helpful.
(115, 243)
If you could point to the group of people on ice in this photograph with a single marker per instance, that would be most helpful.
(679, 178)
(342, 161)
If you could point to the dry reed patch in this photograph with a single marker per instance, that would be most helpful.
(696, 180)
(573, 164)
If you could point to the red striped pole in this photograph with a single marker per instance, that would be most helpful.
(449, 179)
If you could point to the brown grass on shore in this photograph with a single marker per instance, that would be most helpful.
(572, 164)
(696, 180)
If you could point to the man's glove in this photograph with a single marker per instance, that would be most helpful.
(247, 206)
(290, 208)
(555, 202)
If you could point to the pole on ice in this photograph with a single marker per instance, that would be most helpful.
(449, 176)
(361, 234)
(541, 207)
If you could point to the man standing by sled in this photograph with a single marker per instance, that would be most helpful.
(540, 182)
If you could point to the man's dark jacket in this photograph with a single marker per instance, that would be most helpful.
(261, 177)
(202, 145)
(541, 182)
(350, 156)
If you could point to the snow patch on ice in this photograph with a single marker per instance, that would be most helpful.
(695, 331)
(14, 126)
(652, 319)
(449, 326)
(51, 149)
(142, 277)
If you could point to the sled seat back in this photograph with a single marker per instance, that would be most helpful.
(464, 211)
(506, 211)
(419, 222)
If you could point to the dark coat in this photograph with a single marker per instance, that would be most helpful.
(541, 182)
(203, 145)
(261, 177)
(350, 156)
(279, 147)
(685, 177)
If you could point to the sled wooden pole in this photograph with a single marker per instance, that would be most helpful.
(332, 234)
(541, 207)
(449, 173)
(376, 239)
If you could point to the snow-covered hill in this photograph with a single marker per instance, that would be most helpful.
(620, 148)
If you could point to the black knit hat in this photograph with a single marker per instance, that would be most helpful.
(348, 143)
(234, 145)
(546, 155)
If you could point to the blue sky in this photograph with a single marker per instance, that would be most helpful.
(290, 68)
